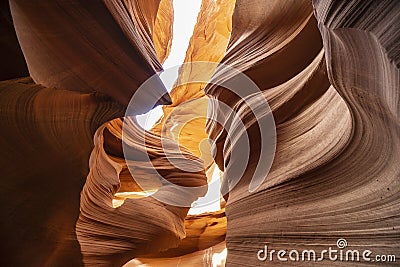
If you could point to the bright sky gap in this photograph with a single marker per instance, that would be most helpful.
(185, 18)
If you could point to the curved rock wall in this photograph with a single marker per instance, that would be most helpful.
(111, 236)
(163, 28)
(89, 46)
(184, 120)
(335, 171)
(83, 52)
(46, 140)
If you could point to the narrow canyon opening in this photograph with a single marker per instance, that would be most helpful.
(186, 17)
(200, 32)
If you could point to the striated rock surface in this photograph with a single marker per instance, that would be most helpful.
(163, 28)
(113, 235)
(89, 46)
(185, 118)
(46, 140)
(198, 232)
(87, 51)
(212, 256)
(335, 171)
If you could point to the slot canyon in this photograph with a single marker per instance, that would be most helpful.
(276, 141)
